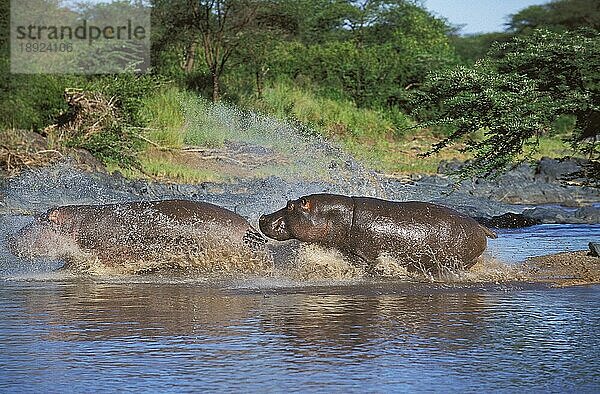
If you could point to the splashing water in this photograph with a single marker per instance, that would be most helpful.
(306, 154)
(313, 262)
(303, 163)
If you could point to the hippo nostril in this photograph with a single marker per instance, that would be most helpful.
(263, 223)
(11, 241)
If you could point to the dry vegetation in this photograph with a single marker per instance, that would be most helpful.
(24, 149)
(89, 113)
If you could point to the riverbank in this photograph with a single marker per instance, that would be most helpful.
(68, 181)
(524, 196)
(564, 269)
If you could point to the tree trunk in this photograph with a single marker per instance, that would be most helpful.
(216, 92)
(261, 73)
(190, 57)
(259, 84)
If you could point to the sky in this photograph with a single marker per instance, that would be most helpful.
(478, 16)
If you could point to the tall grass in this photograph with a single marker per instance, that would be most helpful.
(164, 117)
(339, 117)
(174, 119)
(178, 118)
(165, 167)
(373, 136)
(202, 128)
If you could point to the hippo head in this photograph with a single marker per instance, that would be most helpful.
(49, 235)
(319, 218)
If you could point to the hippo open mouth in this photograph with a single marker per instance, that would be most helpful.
(274, 226)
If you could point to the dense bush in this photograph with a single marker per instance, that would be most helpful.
(516, 94)
(377, 62)
(129, 91)
(120, 143)
(32, 102)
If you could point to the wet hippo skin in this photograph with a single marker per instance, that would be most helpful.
(416, 234)
(120, 233)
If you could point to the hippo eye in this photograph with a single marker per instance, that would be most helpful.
(290, 206)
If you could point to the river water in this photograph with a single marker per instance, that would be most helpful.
(61, 333)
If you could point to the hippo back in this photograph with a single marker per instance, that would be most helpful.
(414, 233)
(212, 220)
(148, 228)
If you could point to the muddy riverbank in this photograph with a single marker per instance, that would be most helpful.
(35, 190)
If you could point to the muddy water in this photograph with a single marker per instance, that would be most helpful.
(93, 336)
(61, 332)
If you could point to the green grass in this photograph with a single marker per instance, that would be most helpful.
(554, 146)
(333, 117)
(179, 118)
(174, 119)
(376, 137)
(202, 128)
(164, 117)
(164, 166)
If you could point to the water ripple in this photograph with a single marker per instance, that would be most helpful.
(146, 337)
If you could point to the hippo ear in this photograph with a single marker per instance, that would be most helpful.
(305, 204)
(55, 216)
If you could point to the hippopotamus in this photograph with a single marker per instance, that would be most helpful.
(123, 233)
(418, 235)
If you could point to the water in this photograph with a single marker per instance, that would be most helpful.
(515, 245)
(64, 333)
(79, 336)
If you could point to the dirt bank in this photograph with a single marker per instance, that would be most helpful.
(564, 269)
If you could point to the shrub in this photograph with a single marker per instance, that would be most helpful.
(32, 102)
(129, 92)
(516, 95)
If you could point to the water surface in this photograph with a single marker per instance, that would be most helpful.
(86, 336)
(62, 333)
(515, 245)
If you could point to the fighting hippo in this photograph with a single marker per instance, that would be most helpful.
(418, 235)
(134, 232)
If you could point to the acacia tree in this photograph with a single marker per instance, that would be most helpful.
(514, 95)
(212, 29)
(557, 15)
